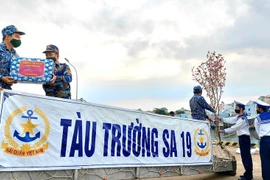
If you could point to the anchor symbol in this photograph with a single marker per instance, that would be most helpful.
(27, 137)
(201, 145)
(27, 129)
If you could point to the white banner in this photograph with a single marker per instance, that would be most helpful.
(42, 132)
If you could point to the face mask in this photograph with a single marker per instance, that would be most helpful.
(15, 43)
(258, 112)
(237, 111)
(53, 58)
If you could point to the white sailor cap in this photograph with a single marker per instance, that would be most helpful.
(261, 104)
(240, 105)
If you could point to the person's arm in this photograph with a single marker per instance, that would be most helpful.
(205, 105)
(1, 69)
(229, 120)
(6, 79)
(66, 77)
(257, 126)
(239, 124)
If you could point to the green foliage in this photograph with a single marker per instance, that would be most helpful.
(180, 111)
(163, 111)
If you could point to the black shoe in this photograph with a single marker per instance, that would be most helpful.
(243, 178)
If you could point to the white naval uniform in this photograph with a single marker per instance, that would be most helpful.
(241, 125)
(262, 126)
(242, 129)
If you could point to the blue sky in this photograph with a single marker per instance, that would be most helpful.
(139, 54)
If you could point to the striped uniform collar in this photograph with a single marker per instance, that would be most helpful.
(242, 115)
(264, 118)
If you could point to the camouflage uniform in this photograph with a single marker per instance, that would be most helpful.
(6, 55)
(61, 87)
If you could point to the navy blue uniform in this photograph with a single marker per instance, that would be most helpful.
(262, 125)
(197, 106)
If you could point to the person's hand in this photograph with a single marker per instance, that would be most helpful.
(220, 131)
(52, 80)
(217, 118)
(8, 80)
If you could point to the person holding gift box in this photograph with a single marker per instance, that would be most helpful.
(59, 86)
(241, 128)
(11, 39)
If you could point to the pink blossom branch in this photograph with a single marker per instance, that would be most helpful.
(211, 75)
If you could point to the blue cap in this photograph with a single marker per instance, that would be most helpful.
(261, 104)
(240, 105)
(11, 29)
(197, 89)
(51, 48)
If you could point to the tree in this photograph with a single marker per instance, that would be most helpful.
(180, 111)
(163, 111)
(211, 75)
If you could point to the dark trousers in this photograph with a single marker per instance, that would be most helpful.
(265, 156)
(244, 143)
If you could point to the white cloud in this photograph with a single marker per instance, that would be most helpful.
(116, 44)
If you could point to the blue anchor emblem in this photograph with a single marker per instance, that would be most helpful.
(201, 145)
(27, 137)
(28, 129)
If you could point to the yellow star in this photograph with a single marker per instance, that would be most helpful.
(201, 139)
(28, 127)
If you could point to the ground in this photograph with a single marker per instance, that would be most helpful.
(213, 176)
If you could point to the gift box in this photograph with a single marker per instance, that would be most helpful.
(33, 70)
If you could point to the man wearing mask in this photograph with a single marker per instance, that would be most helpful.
(59, 86)
(262, 126)
(11, 39)
(198, 105)
(241, 128)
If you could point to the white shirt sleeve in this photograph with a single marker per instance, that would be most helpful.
(257, 126)
(229, 120)
(238, 125)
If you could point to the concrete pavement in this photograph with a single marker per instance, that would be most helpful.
(214, 176)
